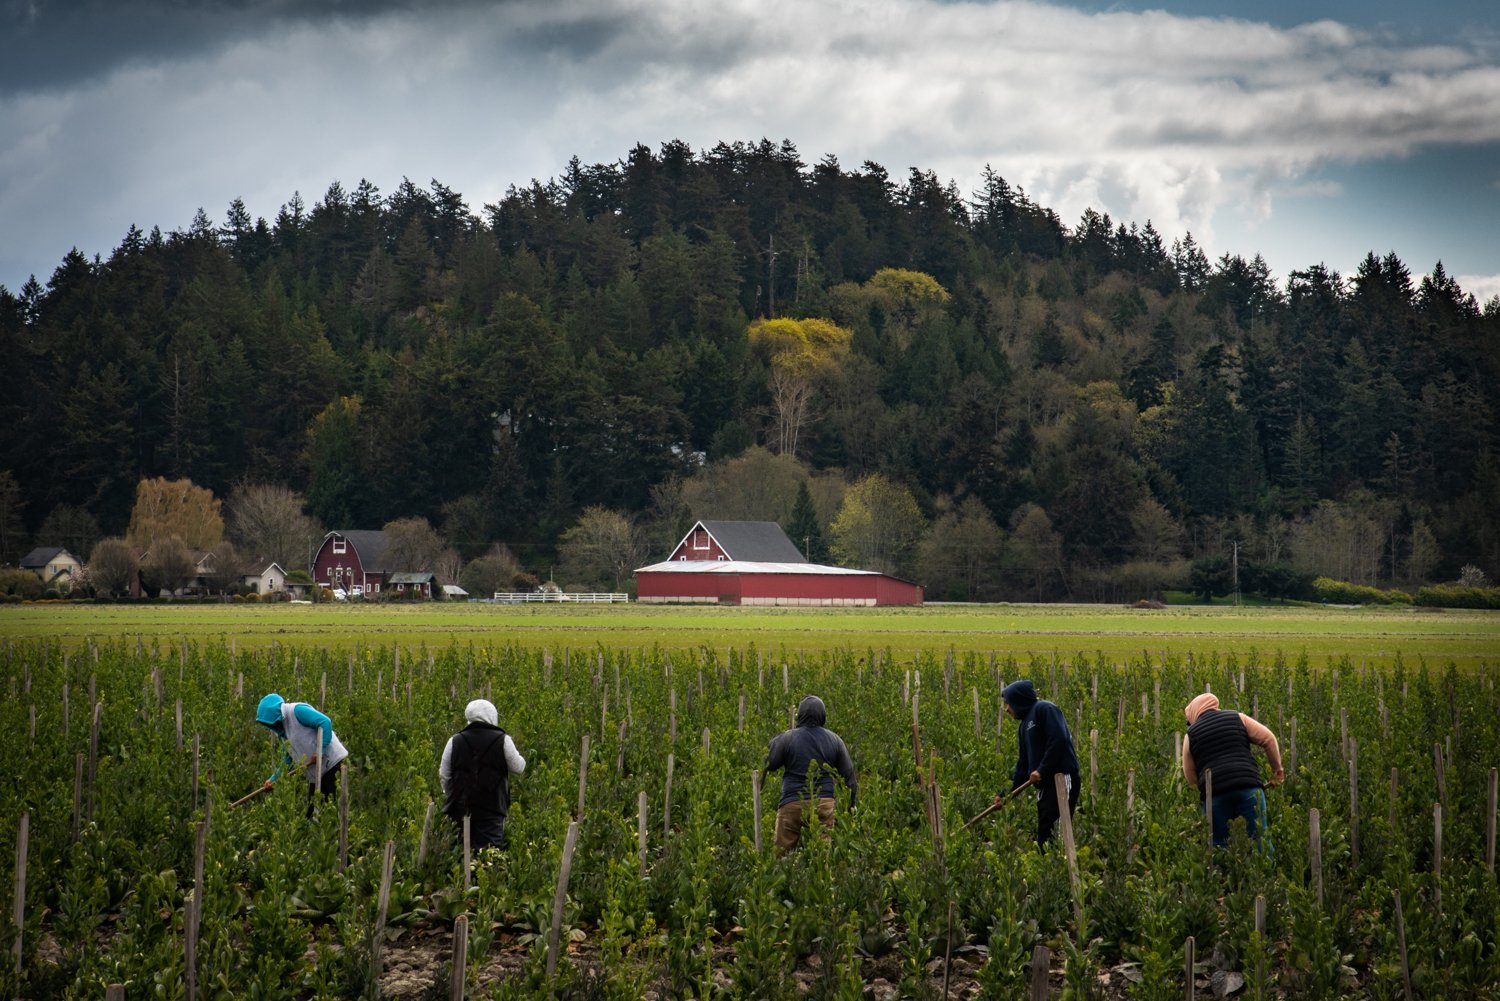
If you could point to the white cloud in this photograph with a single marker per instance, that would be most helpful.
(1145, 114)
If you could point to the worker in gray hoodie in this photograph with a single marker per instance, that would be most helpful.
(808, 754)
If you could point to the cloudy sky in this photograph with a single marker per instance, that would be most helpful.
(1309, 132)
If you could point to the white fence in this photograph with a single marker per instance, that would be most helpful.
(520, 597)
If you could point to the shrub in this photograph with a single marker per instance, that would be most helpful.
(1458, 596)
(21, 583)
(1339, 592)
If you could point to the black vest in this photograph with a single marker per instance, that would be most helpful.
(478, 761)
(1220, 742)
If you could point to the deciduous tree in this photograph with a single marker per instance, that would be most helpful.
(166, 508)
(799, 353)
(112, 567)
(602, 546)
(878, 526)
(269, 520)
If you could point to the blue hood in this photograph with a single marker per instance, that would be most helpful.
(269, 710)
(1020, 696)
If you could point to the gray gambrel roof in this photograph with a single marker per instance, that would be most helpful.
(371, 546)
(755, 541)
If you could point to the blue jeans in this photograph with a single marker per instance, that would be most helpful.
(1247, 803)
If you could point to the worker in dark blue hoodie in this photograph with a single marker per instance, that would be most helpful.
(810, 754)
(1046, 749)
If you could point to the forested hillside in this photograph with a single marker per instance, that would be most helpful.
(977, 395)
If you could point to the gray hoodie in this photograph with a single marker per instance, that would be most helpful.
(807, 744)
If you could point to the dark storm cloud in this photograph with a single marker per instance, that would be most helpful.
(53, 44)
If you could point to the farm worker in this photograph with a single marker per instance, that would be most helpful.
(304, 730)
(1219, 740)
(807, 746)
(475, 771)
(1045, 749)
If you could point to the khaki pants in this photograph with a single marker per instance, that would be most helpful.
(791, 818)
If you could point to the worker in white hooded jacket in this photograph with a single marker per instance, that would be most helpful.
(475, 771)
(305, 731)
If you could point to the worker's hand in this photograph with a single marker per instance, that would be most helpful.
(999, 799)
(1278, 778)
(1036, 778)
(267, 784)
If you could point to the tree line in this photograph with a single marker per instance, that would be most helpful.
(955, 387)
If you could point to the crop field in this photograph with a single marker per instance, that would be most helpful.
(1367, 636)
(639, 865)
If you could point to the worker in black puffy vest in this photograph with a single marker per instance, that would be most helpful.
(1218, 741)
(475, 771)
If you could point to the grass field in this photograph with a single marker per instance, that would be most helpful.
(1365, 635)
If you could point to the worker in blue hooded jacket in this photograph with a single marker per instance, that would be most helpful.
(1045, 750)
(305, 731)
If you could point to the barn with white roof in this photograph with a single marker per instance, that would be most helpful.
(754, 563)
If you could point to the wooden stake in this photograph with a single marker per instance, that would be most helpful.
(640, 830)
(1190, 990)
(77, 794)
(555, 932)
(1260, 949)
(94, 757)
(755, 780)
(978, 728)
(1401, 943)
(666, 811)
(583, 775)
(1489, 827)
(1437, 857)
(1391, 819)
(18, 901)
(1065, 818)
(742, 710)
(1041, 963)
(426, 831)
(1315, 852)
(1208, 802)
(383, 904)
(343, 816)
(114, 992)
(1354, 801)
(468, 854)
(620, 746)
(1441, 772)
(457, 975)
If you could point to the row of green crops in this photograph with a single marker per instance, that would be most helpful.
(712, 917)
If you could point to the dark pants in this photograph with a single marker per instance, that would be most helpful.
(327, 787)
(1247, 803)
(1047, 813)
(486, 830)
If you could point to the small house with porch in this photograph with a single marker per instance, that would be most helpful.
(53, 564)
(263, 576)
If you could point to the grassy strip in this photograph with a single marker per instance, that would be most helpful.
(1369, 635)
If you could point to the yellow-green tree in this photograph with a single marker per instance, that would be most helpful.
(878, 527)
(164, 508)
(800, 353)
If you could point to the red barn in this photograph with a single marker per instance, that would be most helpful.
(351, 559)
(754, 563)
